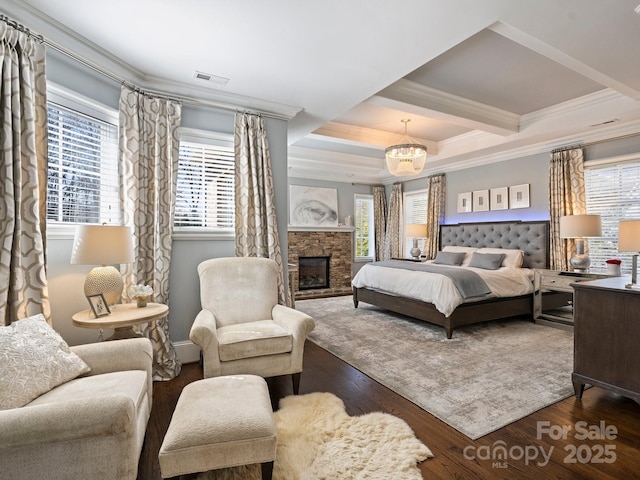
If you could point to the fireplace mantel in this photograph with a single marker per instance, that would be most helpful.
(293, 228)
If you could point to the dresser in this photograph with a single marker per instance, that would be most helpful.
(607, 337)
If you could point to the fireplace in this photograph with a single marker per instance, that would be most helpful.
(313, 272)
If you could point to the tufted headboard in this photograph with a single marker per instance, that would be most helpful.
(531, 237)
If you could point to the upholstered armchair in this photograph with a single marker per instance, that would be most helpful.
(241, 328)
(89, 427)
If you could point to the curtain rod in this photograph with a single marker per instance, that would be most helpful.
(21, 28)
(595, 142)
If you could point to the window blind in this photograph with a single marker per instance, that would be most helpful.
(364, 230)
(613, 192)
(205, 194)
(415, 211)
(82, 180)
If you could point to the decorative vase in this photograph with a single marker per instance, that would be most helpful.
(141, 301)
(613, 269)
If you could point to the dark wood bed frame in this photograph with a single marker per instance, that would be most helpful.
(531, 237)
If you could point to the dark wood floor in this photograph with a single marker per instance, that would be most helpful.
(325, 372)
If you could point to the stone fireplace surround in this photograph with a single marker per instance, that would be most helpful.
(335, 242)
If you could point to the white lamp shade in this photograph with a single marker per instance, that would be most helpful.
(416, 230)
(579, 226)
(629, 236)
(102, 245)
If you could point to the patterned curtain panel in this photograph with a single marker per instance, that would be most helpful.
(255, 219)
(149, 145)
(23, 177)
(566, 197)
(436, 199)
(379, 220)
(393, 232)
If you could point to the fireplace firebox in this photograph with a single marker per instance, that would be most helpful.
(313, 272)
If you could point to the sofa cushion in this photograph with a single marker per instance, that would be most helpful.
(33, 359)
(131, 383)
(253, 339)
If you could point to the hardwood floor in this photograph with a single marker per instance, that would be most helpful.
(455, 455)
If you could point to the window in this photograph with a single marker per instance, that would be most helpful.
(364, 234)
(613, 192)
(415, 211)
(205, 195)
(82, 181)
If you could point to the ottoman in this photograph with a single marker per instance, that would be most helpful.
(220, 422)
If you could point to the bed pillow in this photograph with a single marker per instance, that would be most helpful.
(449, 258)
(488, 261)
(513, 257)
(33, 360)
(467, 250)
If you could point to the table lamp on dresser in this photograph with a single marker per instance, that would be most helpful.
(629, 241)
(578, 227)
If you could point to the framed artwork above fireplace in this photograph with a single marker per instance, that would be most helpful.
(313, 206)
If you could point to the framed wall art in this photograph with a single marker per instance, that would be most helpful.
(313, 206)
(464, 202)
(481, 200)
(519, 196)
(499, 198)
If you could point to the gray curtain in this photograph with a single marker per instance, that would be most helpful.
(149, 146)
(255, 218)
(379, 220)
(436, 199)
(393, 231)
(566, 197)
(23, 174)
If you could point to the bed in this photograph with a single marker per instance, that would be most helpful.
(532, 238)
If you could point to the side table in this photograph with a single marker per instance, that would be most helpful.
(122, 318)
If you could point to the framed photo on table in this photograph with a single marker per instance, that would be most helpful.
(98, 305)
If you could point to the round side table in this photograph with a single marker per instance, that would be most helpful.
(122, 318)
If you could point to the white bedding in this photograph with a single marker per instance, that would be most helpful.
(439, 289)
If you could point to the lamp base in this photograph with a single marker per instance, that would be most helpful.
(106, 280)
(580, 262)
(415, 251)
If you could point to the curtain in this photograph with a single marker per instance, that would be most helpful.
(393, 232)
(379, 220)
(566, 197)
(436, 199)
(149, 146)
(255, 219)
(23, 177)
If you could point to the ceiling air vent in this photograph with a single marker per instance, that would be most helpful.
(606, 122)
(208, 77)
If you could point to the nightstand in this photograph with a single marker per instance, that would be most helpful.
(553, 296)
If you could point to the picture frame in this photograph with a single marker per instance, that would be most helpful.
(499, 198)
(98, 305)
(313, 206)
(464, 202)
(481, 200)
(519, 196)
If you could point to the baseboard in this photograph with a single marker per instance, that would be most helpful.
(187, 351)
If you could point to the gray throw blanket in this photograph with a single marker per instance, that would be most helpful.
(468, 283)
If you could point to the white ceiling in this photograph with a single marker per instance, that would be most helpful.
(481, 81)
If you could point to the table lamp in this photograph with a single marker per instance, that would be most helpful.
(578, 227)
(103, 245)
(629, 241)
(416, 231)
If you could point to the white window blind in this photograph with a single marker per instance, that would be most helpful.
(415, 211)
(205, 194)
(364, 229)
(82, 182)
(613, 192)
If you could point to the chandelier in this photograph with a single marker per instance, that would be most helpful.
(407, 158)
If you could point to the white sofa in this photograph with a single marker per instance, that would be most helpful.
(91, 427)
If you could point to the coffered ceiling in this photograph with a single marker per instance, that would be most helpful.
(481, 81)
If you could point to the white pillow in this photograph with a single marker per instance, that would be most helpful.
(33, 360)
(468, 250)
(513, 257)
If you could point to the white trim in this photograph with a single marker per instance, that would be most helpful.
(195, 135)
(201, 233)
(187, 351)
(631, 157)
(292, 228)
(80, 103)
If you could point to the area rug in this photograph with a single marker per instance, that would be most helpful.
(485, 377)
(317, 439)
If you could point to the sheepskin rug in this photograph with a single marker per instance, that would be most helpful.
(317, 440)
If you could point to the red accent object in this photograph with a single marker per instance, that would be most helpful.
(614, 261)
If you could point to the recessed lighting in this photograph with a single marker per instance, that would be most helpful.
(209, 77)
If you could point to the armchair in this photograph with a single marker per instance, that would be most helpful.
(241, 328)
(90, 427)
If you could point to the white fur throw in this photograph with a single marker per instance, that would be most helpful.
(317, 439)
